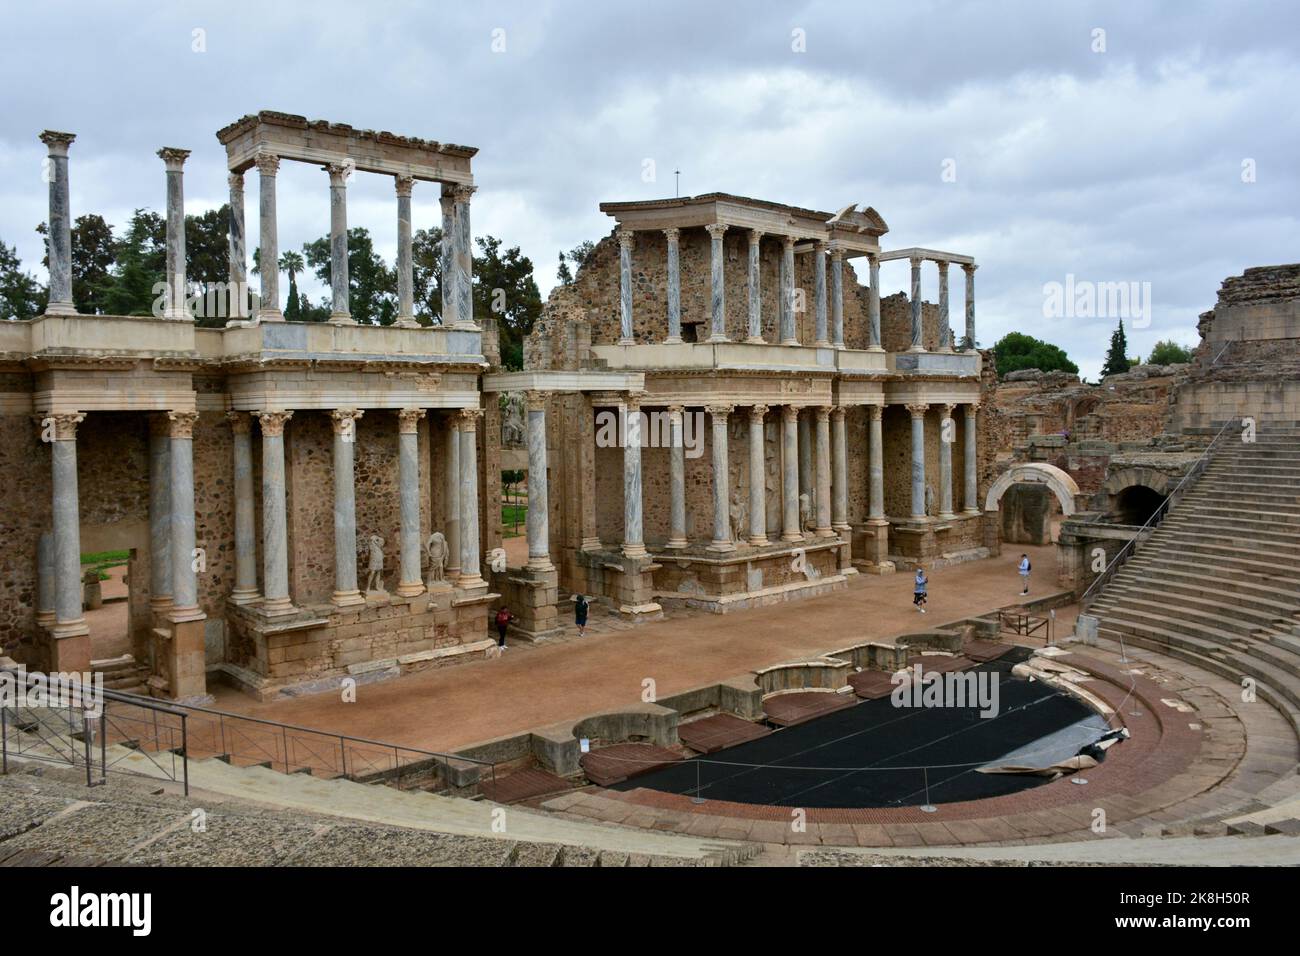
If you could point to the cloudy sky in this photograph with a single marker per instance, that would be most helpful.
(1118, 156)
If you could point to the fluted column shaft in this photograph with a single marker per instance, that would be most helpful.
(839, 470)
(175, 162)
(717, 284)
(185, 588)
(970, 304)
(538, 522)
(947, 435)
(633, 541)
(824, 472)
(790, 530)
(873, 303)
(450, 290)
(245, 590)
(405, 261)
(674, 284)
(721, 480)
(676, 479)
(346, 592)
(452, 494)
(918, 459)
(463, 262)
(754, 288)
(341, 312)
(757, 477)
(160, 534)
(268, 255)
(625, 240)
(837, 297)
(410, 583)
(917, 341)
(67, 525)
(788, 336)
(970, 499)
(819, 294)
(471, 573)
(238, 241)
(875, 464)
(275, 544)
(59, 248)
(945, 330)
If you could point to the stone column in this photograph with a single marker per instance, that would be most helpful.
(633, 542)
(451, 488)
(970, 304)
(918, 344)
(819, 294)
(945, 330)
(174, 159)
(238, 241)
(876, 465)
(45, 587)
(447, 265)
(824, 529)
(970, 499)
(722, 540)
(471, 572)
(268, 255)
(69, 621)
(676, 479)
(59, 246)
(625, 239)
(464, 260)
(538, 527)
(755, 288)
(185, 587)
(873, 303)
(947, 435)
(790, 530)
(245, 590)
(717, 283)
(346, 592)
(405, 261)
(340, 312)
(918, 411)
(275, 536)
(839, 470)
(757, 477)
(160, 532)
(837, 296)
(410, 582)
(788, 336)
(807, 478)
(674, 285)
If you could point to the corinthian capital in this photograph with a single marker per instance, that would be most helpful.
(273, 423)
(408, 420)
(182, 424)
(268, 164)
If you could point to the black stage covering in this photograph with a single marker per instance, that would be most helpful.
(877, 735)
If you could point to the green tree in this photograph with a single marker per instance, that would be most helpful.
(581, 254)
(1116, 356)
(426, 262)
(1169, 352)
(291, 262)
(372, 286)
(504, 289)
(207, 265)
(563, 273)
(93, 257)
(20, 293)
(1016, 351)
(140, 265)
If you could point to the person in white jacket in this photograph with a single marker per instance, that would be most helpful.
(1024, 572)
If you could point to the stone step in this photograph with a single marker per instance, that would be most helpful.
(1262, 597)
(1273, 536)
(1211, 544)
(1202, 617)
(1210, 641)
(1199, 595)
(1234, 510)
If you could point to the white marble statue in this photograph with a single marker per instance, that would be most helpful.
(436, 551)
(375, 566)
(805, 513)
(929, 499)
(513, 428)
(739, 515)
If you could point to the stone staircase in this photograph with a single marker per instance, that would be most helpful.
(123, 674)
(1217, 584)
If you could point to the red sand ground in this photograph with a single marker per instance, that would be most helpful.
(532, 686)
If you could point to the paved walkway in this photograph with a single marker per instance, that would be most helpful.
(535, 685)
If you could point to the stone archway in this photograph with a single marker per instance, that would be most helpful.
(1057, 480)
(1134, 493)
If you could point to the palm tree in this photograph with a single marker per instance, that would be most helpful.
(291, 262)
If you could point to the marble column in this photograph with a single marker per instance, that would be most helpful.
(174, 159)
(275, 536)
(45, 587)
(245, 590)
(875, 464)
(633, 543)
(717, 283)
(464, 260)
(59, 246)
(788, 335)
(790, 530)
(824, 529)
(839, 470)
(238, 241)
(340, 311)
(757, 477)
(837, 296)
(722, 532)
(970, 500)
(160, 532)
(755, 288)
(447, 265)
(451, 487)
(539, 525)
(268, 255)
(471, 572)
(873, 303)
(807, 464)
(918, 411)
(947, 435)
(346, 593)
(674, 285)
(676, 479)
(918, 344)
(410, 582)
(185, 586)
(945, 330)
(625, 240)
(69, 621)
(819, 294)
(970, 304)
(405, 260)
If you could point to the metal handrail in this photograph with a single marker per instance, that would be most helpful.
(1195, 471)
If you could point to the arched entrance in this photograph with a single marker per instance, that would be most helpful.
(1134, 494)
(1059, 482)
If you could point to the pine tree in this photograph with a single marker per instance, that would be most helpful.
(1117, 361)
(563, 273)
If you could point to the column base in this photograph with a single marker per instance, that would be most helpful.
(672, 340)
(244, 596)
(627, 341)
(161, 604)
(347, 598)
(278, 607)
(946, 516)
(177, 317)
(45, 619)
(74, 628)
(60, 308)
(917, 348)
(875, 348)
(180, 615)
(675, 544)
(972, 512)
(634, 551)
(721, 546)
(407, 322)
(822, 344)
(838, 346)
(756, 340)
(717, 339)
(825, 532)
(759, 540)
(791, 536)
(540, 565)
(270, 315)
(789, 341)
(465, 327)
(341, 318)
(590, 544)
(467, 582)
(408, 589)
(841, 526)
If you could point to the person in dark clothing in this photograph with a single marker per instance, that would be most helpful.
(580, 608)
(504, 617)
